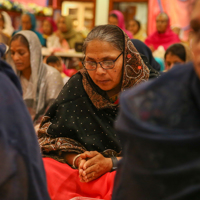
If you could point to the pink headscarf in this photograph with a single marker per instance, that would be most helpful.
(121, 23)
(162, 39)
(53, 24)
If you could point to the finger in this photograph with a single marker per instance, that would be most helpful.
(89, 154)
(91, 177)
(81, 163)
(90, 169)
(90, 162)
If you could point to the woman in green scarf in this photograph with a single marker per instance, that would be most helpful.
(66, 32)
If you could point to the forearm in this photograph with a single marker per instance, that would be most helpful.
(69, 157)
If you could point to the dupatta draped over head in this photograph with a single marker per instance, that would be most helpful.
(71, 35)
(159, 125)
(33, 27)
(45, 82)
(162, 39)
(82, 116)
(121, 23)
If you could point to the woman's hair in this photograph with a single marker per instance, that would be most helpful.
(113, 15)
(138, 23)
(178, 50)
(106, 33)
(22, 39)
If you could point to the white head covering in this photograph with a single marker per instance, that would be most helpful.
(8, 28)
(45, 82)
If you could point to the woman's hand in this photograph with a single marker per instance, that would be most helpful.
(93, 165)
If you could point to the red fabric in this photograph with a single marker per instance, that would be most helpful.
(121, 23)
(64, 183)
(53, 24)
(162, 39)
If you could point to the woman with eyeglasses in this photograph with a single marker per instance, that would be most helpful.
(77, 133)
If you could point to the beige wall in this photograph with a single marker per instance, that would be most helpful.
(102, 7)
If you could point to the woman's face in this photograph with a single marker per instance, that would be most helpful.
(171, 60)
(113, 21)
(108, 80)
(62, 25)
(26, 22)
(133, 27)
(20, 55)
(1, 21)
(161, 24)
(46, 27)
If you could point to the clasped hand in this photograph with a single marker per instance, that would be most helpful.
(92, 165)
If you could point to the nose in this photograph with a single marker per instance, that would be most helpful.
(100, 70)
(15, 57)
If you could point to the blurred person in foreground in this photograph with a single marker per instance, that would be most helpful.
(22, 174)
(160, 132)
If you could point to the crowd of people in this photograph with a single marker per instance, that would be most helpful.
(124, 126)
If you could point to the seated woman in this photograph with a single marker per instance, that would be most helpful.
(49, 28)
(78, 128)
(163, 36)
(66, 33)
(40, 83)
(135, 28)
(117, 18)
(177, 54)
(29, 23)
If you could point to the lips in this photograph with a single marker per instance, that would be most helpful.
(102, 81)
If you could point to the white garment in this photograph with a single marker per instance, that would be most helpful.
(53, 42)
(8, 28)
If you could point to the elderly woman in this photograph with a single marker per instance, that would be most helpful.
(78, 128)
(163, 36)
(40, 83)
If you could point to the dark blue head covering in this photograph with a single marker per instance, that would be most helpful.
(3, 49)
(159, 127)
(22, 174)
(33, 20)
(144, 49)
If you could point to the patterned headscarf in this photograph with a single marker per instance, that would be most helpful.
(134, 72)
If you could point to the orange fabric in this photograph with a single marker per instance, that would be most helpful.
(64, 183)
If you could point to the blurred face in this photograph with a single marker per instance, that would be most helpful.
(46, 27)
(195, 25)
(20, 55)
(113, 21)
(56, 65)
(133, 27)
(161, 24)
(171, 60)
(26, 22)
(1, 21)
(108, 80)
(62, 25)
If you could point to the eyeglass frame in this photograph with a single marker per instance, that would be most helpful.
(101, 64)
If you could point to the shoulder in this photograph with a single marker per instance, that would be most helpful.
(52, 73)
(171, 83)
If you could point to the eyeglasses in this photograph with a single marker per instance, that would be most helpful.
(107, 64)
